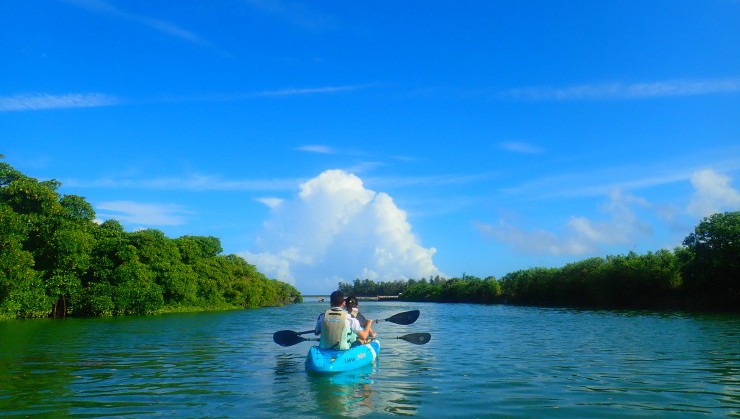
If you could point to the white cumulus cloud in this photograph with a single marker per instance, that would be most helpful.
(337, 230)
(713, 193)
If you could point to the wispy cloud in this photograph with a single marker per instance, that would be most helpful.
(626, 91)
(363, 167)
(580, 235)
(601, 181)
(207, 182)
(270, 202)
(295, 13)
(388, 182)
(42, 101)
(625, 222)
(168, 28)
(310, 90)
(519, 147)
(532, 242)
(194, 182)
(595, 183)
(143, 214)
(320, 149)
(326, 149)
(358, 167)
(288, 92)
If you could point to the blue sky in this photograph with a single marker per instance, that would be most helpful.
(325, 141)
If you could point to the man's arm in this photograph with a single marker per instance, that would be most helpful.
(363, 333)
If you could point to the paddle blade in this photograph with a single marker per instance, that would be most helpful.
(405, 318)
(286, 338)
(416, 338)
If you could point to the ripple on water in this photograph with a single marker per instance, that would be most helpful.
(517, 362)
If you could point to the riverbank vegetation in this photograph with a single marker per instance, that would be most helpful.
(703, 274)
(55, 260)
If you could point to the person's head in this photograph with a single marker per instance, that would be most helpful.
(336, 299)
(352, 305)
(351, 302)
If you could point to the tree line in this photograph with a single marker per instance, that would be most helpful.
(55, 260)
(367, 287)
(704, 273)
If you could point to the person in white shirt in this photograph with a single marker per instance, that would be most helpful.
(338, 329)
(352, 305)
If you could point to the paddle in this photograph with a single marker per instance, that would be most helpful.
(290, 338)
(405, 318)
(416, 338)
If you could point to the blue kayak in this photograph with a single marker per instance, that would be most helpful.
(328, 361)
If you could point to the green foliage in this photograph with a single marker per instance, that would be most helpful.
(623, 281)
(8, 175)
(76, 208)
(467, 289)
(28, 196)
(56, 261)
(711, 262)
(369, 288)
(193, 248)
(20, 289)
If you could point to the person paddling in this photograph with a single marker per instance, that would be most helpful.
(338, 328)
(352, 306)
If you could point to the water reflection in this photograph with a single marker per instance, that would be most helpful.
(33, 379)
(521, 362)
(405, 380)
(345, 394)
(286, 365)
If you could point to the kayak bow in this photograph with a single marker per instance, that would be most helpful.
(329, 361)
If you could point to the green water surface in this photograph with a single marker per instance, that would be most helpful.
(482, 361)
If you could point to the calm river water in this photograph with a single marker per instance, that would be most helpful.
(482, 361)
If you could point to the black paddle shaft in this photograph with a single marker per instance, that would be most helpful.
(290, 338)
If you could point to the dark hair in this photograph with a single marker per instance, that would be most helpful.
(351, 302)
(336, 298)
